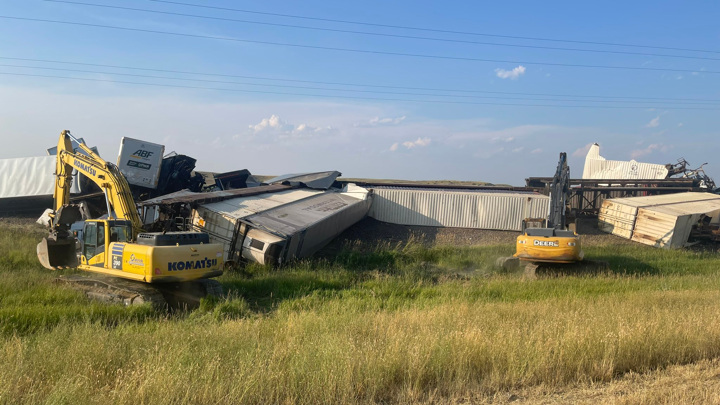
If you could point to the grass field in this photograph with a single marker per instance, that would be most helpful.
(396, 323)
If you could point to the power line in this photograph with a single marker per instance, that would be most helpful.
(211, 74)
(360, 51)
(681, 102)
(354, 97)
(433, 29)
(383, 34)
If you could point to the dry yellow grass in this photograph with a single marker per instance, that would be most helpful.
(449, 353)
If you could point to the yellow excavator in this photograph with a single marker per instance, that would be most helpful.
(178, 265)
(553, 243)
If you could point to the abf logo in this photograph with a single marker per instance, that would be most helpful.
(142, 153)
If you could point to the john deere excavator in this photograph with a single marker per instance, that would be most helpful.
(132, 267)
(553, 243)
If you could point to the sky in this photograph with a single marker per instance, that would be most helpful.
(409, 90)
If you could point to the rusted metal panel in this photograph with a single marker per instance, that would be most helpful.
(617, 219)
(654, 228)
(458, 209)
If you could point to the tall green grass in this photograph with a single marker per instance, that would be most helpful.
(373, 324)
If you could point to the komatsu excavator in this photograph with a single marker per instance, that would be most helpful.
(175, 266)
(553, 243)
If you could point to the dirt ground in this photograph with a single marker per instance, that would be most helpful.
(372, 232)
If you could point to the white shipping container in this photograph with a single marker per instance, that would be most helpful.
(663, 220)
(140, 161)
(29, 177)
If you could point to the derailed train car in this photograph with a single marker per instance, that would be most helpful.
(276, 228)
(300, 229)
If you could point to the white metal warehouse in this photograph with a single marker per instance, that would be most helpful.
(480, 209)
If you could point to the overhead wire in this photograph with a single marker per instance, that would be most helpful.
(361, 51)
(215, 74)
(414, 37)
(436, 30)
(355, 97)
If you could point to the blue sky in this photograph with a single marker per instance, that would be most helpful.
(473, 93)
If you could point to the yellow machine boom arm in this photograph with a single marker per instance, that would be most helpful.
(106, 175)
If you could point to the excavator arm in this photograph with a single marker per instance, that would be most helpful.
(107, 176)
(58, 249)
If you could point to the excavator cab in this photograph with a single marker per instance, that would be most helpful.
(97, 237)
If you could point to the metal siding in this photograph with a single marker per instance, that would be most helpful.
(665, 199)
(220, 217)
(615, 169)
(617, 219)
(654, 228)
(321, 233)
(244, 206)
(661, 221)
(310, 224)
(457, 209)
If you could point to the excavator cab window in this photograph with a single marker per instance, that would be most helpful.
(93, 239)
(120, 232)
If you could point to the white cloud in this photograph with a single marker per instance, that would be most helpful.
(649, 149)
(501, 139)
(420, 142)
(394, 147)
(518, 150)
(653, 122)
(387, 120)
(680, 124)
(380, 122)
(510, 74)
(536, 151)
(278, 128)
(274, 122)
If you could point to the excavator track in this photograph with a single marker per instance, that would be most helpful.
(170, 296)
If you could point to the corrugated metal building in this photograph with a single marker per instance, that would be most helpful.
(480, 209)
(662, 221)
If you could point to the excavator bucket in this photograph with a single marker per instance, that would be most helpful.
(57, 254)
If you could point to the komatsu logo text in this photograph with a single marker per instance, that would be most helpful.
(545, 243)
(86, 167)
(192, 264)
